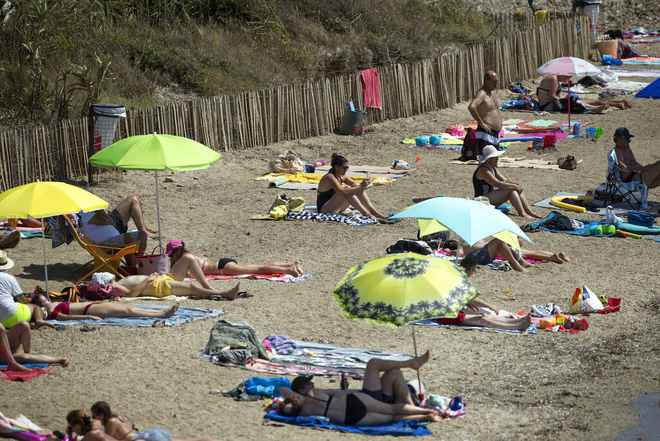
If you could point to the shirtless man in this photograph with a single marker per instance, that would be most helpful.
(629, 169)
(485, 109)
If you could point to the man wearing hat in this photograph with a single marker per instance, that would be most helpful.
(489, 182)
(623, 164)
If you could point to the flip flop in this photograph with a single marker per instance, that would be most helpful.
(243, 295)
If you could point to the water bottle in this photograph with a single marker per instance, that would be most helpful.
(576, 129)
(609, 216)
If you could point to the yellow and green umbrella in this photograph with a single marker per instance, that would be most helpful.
(403, 288)
(44, 199)
(155, 152)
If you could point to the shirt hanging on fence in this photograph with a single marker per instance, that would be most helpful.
(371, 88)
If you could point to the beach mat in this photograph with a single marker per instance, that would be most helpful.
(619, 208)
(182, 316)
(370, 169)
(642, 61)
(282, 278)
(399, 428)
(38, 370)
(355, 220)
(433, 324)
(519, 162)
(648, 73)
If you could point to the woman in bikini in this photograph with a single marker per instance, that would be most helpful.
(489, 182)
(163, 285)
(96, 310)
(485, 251)
(184, 264)
(337, 192)
(352, 407)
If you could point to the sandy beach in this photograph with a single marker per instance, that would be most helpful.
(516, 387)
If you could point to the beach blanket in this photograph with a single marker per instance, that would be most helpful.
(274, 368)
(531, 330)
(650, 61)
(619, 208)
(516, 162)
(648, 73)
(356, 220)
(399, 428)
(38, 370)
(369, 169)
(310, 181)
(182, 316)
(282, 278)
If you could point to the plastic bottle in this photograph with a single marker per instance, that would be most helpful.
(610, 218)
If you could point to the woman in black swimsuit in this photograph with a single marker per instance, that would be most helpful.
(360, 407)
(337, 192)
(489, 182)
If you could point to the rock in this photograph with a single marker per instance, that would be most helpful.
(168, 179)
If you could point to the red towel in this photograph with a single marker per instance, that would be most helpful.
(371, 88)
(23, 376)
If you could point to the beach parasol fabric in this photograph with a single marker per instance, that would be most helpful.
(155, 153)
(431, 226)
(44, 199)
(576, 68)
(471, 220)
(402, 288)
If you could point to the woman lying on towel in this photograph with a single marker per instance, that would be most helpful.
(488, 181)
(163, 285)
(374, 404)
(16, 346)
(548, 94)
(184, 264)
(96, 310)
(486, 251)
(337, 192)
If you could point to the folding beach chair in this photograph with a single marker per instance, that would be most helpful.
(634, 193)
(104, 257)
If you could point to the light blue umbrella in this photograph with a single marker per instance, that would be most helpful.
(471, 220)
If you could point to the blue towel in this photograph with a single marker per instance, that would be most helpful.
(28, 365)
(182, 316)
(399, 428)
(266, 386)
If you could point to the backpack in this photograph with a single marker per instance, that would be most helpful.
(408, 245)
(470, 149)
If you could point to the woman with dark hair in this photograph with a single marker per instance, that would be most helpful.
(337, 192)
(81, 427)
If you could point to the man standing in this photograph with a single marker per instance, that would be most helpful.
(484, 108)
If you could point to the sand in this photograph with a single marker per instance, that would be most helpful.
(516, 387)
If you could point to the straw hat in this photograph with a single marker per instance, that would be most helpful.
(5, 262)
(489, 152)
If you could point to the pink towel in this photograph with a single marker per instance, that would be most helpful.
(23, 376)
(371, 88)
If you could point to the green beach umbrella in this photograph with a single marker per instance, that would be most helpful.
(155, 153)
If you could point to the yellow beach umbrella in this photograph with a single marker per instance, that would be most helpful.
(44, 199)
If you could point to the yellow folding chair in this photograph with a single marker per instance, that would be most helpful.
(104, 257)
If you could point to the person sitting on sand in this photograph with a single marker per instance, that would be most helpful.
(163, 285)
(550, 99)
(489, 182)
(486, 251)
(11, 312)
(16, 348)
(360, 408)
(96, 310)
(337, 192)
(184, 264)
(622, 162)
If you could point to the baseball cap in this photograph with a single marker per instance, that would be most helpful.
(300, 381)
(623, 133)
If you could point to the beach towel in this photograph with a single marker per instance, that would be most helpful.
(182, 316)
(516, 162)
(310, 181)
(356, 220)
(650, 61)
(399, 428)
(649, 73)
(432, 323)
(275, 368)
(370, 79)
(370, 170)
(38, 370)
(282, 278)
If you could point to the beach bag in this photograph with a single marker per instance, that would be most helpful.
(641, 218)
(567, 162)
(408, 245)
(584, 301)
(148, 264)
(470, 149)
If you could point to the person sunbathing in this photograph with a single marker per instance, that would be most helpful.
(16, 347)
(486, 251)
(163, 285)
(550, 100)
(96, 310)
(337, 192)
(81, 427)
(489, 182)
(184, 264)
(357, 408)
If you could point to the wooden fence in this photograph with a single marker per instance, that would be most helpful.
(300, 110)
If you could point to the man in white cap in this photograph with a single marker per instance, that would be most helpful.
(489, 182)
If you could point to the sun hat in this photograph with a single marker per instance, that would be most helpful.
(623, 132)
(173, 245)
(5, 262)
(489, 152)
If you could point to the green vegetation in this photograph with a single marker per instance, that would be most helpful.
(60, 55)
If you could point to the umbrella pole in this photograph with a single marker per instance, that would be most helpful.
(43, 247)
(420, 395)
(160, 235)
(569, 107)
